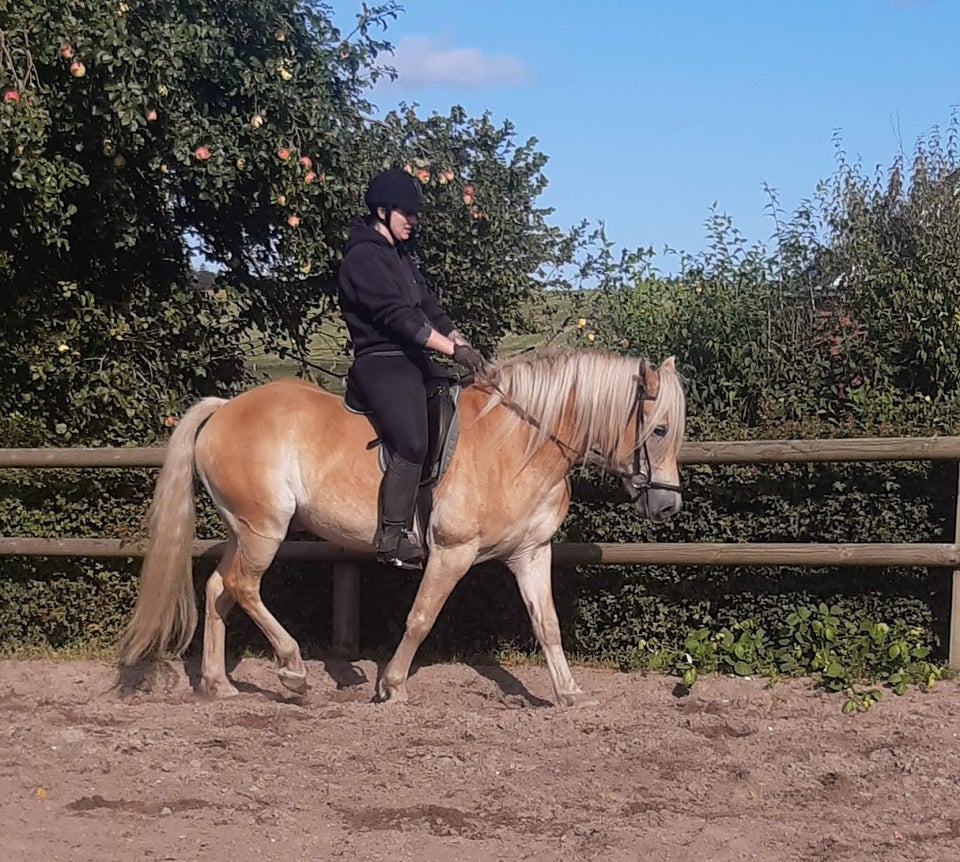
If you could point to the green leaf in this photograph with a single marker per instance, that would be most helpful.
(834, 670)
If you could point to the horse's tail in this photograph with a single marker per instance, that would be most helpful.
(165, 615)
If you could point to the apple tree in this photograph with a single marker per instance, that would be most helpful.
(132, 134)
(135, 135)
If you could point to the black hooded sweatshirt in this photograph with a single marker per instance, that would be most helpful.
(384, 299)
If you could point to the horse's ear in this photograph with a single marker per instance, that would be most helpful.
(649, 379)
(670, 363)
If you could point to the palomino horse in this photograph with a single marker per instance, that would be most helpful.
(287, 454)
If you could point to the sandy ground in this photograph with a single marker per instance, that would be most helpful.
(478, 766)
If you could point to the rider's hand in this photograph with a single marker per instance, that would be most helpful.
(470, 358)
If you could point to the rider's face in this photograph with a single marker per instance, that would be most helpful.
(402, 224)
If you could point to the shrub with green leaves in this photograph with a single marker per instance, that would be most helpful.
(843, 328)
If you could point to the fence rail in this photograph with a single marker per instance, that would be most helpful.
(564, 553)
(725, 452)
(346, 573)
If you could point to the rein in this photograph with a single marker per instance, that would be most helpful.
(286, 353)
(639, 476)
(530, 420)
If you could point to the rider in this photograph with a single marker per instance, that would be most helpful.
(394, 320)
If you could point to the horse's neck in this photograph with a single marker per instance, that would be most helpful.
(557, 451)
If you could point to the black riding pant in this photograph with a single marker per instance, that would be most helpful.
(394, 389)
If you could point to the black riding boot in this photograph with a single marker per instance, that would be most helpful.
(397, 544)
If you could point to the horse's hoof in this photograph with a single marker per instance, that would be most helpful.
(297, 683)
(218, 688)
(577, 699)
(393, 694)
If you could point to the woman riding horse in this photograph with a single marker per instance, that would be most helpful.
(394, 320)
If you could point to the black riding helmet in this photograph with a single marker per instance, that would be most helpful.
(394, 189)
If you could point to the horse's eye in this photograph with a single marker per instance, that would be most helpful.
(660, 431)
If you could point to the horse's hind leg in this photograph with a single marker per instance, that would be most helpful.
(445, 568)
(532, 571)
(213, 670)
(242, 580)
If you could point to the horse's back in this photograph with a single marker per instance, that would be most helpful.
(275, 407)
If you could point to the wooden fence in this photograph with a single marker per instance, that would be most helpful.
(346, 573)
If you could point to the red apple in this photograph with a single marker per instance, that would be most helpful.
(468, 190)
(310, 177)
(305, 161)
(11, 96)
(281, 200)
(202, 153)
(293, 220)
(423, 175)
(283, 154)
(77, 69)
(151, 115)
(66, 51)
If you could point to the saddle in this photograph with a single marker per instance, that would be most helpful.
(443, 415)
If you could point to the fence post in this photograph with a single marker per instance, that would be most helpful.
(954, 655)
(346, 611)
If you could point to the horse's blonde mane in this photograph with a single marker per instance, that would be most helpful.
(600, 388)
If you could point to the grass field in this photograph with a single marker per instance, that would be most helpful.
(550, 320)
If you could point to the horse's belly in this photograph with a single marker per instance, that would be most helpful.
(350, 525)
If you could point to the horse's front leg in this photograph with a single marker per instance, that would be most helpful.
(532, 571)
(445, 568)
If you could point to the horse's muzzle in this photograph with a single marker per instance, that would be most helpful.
(658, 505)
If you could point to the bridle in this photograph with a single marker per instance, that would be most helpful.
(639, 476)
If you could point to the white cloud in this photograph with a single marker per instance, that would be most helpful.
(424, 62)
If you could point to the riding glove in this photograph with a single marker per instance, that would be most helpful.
(470, 358)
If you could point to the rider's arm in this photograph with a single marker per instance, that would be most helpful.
(375, 285)
(440, 342)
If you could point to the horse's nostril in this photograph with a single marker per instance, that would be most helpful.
(670, 509)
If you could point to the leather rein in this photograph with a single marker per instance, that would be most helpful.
(639, 476)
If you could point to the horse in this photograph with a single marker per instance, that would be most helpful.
(287, 455)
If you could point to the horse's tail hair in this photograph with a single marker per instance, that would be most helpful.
(165, 616)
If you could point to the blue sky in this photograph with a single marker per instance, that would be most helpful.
(652, 111)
